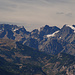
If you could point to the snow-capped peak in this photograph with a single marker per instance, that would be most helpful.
(72, 27)
(52, 35)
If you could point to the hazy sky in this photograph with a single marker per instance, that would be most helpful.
(36, 13)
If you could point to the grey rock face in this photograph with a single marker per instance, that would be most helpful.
(66, 33)
(46, 39)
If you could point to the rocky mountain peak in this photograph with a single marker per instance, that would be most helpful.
(67, 29)
(48, 30)
(46, 27)
(35, 31)
(12, 31)
(73, 25)
(67, 33)
(20, 29)
(41, 39)
(7, 27)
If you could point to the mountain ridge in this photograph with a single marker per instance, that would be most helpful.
(48, 51)
(42, 39)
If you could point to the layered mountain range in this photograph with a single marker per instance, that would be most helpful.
(51, 40)
(48, 51)
(19, 59)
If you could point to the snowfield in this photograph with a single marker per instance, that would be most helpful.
(52, 35)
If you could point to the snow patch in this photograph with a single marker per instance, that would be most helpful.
(71, 27)
(15, 29)
(52, 35)
(59, 37)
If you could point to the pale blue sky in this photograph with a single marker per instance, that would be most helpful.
(37, 13)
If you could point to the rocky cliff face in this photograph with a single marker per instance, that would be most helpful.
(51, 40)
(48, 39)
(12, 32)
(67, 33)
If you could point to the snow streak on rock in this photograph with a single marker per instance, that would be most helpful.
(52, 35)
(71, 27)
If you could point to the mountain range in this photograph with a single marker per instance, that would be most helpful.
(51, 40)
(48, 51)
